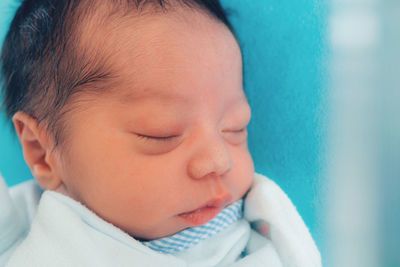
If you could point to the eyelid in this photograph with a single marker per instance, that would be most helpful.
(235, 137)
(235, 131)
(240, 130)
(156, 138)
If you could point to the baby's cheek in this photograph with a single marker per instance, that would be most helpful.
(244, 172)
(248, 175)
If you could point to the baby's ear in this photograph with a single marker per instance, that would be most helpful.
(37, 149)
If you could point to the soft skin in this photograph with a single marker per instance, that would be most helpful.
(170, 138)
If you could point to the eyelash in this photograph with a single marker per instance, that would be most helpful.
(167, 138)
(240, 130)
(156, 138)
(237, 131)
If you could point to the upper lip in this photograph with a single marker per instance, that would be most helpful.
(217, 202)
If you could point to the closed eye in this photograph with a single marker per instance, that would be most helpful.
(239, 131)
(235, 131)
(236, 137)
(157, 138)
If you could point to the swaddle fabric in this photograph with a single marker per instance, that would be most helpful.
(66, 233)
(193, 235)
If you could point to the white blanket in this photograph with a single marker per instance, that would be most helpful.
(65, 233)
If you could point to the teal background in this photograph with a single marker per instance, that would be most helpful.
(12, 165)
(284, 55)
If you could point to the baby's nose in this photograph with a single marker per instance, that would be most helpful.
(210, 158)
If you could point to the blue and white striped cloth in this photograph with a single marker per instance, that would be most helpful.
(192, 236)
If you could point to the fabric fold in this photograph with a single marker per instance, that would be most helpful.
(66, 233)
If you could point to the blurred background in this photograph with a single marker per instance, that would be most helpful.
(362, 168)
(322, 78)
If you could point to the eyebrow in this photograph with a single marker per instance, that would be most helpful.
(141, 94)
(131, 97)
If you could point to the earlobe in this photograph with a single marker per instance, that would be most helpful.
(37, 150)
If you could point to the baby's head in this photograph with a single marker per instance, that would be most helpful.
(134, 108)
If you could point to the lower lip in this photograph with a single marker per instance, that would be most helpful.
(200, 216)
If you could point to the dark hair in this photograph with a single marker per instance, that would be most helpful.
(41, 66)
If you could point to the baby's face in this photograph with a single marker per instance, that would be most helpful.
(167, 149)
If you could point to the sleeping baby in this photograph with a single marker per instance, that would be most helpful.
(132, 118)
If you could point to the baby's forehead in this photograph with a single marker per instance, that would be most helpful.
(154, 33)
(168, 57)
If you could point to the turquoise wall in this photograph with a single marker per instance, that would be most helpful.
(12, 165)
(284, 54)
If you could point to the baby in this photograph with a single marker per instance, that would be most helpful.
(132, 118)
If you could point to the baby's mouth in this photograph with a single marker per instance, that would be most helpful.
(206, 212)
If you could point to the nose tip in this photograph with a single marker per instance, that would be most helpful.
(208, 167)
(215, 161)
